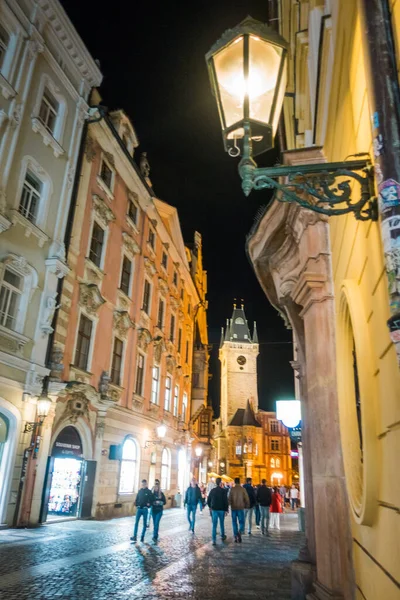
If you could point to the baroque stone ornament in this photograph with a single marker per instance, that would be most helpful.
(77, 406)
(49, 308)
(163, 285)
(104, 383)
(122, 322)
(130, 244)
(144, 165)
(102, 210)
(110, 158)
(159, 348)
(150, 266)
(144, 339)
(90, 297)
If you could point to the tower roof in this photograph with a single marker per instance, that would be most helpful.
(238, 329)
(244, 417)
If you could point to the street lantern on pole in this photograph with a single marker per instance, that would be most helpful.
(247, 69)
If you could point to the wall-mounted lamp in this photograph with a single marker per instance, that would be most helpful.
(198, 451)
(43, 408)
(161, 431)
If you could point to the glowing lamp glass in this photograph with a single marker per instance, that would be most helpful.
(161, 431)
(198, 451)
(289, 412)
(43, 406)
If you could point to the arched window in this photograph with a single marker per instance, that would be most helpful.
(165, 469)
(129, 466)
(278, 463)
(272, 463)
(238, 447)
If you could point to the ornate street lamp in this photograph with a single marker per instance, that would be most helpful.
(161, 432)
(247, 69)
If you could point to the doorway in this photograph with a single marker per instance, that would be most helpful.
(65, 488)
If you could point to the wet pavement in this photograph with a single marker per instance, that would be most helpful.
(92, 560)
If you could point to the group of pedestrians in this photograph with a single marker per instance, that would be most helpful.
(244, 502)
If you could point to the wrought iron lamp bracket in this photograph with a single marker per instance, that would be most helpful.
(325, 188)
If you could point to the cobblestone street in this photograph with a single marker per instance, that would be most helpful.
(91, 560)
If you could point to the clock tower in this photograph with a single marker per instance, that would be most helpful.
(238, 355)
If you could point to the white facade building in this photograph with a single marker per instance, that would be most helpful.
(46, 75)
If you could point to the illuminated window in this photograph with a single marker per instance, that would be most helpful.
(129, 464)
(139, 375)
(155, 384)
(184, 407)
(278, 463)
(165, 469)
(167, 397)
(176, 400)
(272, 462)
(238, 450)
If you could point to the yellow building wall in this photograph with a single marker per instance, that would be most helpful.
(357, 255)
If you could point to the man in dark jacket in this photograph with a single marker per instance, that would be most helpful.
(218, 503)
(264, 498)
(192, 497)
(248, 513)
(144, 500)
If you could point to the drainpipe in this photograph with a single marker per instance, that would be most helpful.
(384, 99)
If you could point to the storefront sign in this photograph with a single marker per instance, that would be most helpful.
(68, 443)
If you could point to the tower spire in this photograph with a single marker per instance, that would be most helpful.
(255, 334)
(222, 338)
(227, 337)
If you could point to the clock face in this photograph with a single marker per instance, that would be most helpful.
(241, 360)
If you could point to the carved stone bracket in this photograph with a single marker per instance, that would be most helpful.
(144, 339)
(150, 266)
(57, 266)
(129, 244)
(122, 322)
(101, 209)
(175, 302)
(163, 285)
(90, 297)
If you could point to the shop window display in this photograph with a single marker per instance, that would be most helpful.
(65, 488)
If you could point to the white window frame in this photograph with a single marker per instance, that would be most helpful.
(92, 339)
(121, 374)
(136, 463)
(134, 199)
(31, 164)
(165, 469)
(168, 393)
(155, 387)
(29, 281)
(175, 400)
(105, 240)
(142, 356)
(185, 406)
(128, 257)
(55, 138)
(150, 295)
(108, 190)
(16, 36)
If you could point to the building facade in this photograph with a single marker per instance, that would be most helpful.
(328, 278)
(132, 308)
(46, 75)
(248, 442)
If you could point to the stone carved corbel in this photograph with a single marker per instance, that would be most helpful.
(129, 244)
(101, 209)
(144, 339)
(90, 297)
(149, 266)
(122, 322)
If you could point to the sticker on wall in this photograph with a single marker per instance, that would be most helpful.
(378, 173)
(378, 145)
(375, 120)
(389, 194)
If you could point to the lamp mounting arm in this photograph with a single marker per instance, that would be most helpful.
(325, 188)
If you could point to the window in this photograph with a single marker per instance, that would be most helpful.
(10, 296)
(204, 425)
(278, 463)
(172, 328)
(83, 343)
(176, 400)
(4, 39)
(30, 197)
(272, 463)
(161, 311)
(182, 293)
(238, 450)
(184, 407)
(167, 398)
(151, 239)
(133, 211)
(96, 244)
(175, 279)
(165, 469)
(106, 174)
(274, 444)
(179, 339)
(116, 365)
(146, 296)
(155, 384)
(48, 112)
(164, 260)
(126, 275)
(274, 426)
(187, 352)
(189, 308)
(139, 375)
(129, 465)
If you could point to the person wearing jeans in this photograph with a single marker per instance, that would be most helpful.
(264, 498)
(144, 500)
(159, 501)
(218, 503)
(192, 497)
(238, 501)
(248, 513)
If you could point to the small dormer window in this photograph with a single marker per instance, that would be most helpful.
(106, 174)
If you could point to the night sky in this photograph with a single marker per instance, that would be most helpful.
(152, 58)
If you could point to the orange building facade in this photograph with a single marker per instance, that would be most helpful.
(132, 307)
